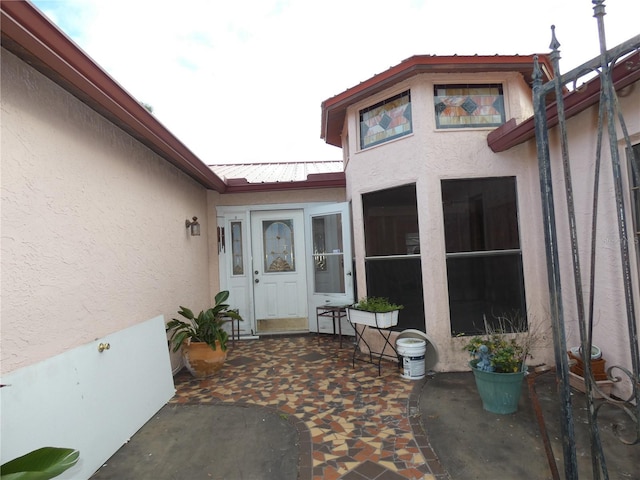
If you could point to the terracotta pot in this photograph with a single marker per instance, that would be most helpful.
(201, 360)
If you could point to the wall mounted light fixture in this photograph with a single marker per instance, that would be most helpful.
(194, 226)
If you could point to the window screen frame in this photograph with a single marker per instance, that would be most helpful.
(491, 253)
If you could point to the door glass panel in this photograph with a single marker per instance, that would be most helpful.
(236, 248)
(277, 237)
(328, 254)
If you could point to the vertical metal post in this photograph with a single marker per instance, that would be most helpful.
(609, 110)
(553, 276)
(609, 97)
(597, 458)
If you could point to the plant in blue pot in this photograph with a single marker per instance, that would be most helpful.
(499, 363)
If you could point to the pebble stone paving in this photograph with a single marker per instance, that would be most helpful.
(353, 424)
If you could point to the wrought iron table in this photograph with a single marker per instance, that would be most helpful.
(336, 313)
(375, 358)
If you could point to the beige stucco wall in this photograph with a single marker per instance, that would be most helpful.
(610, 331)
(93, 232)
(425, 158)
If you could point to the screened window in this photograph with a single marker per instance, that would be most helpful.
(484, 261)
(467, 106)
(392, 245)
(386, 120)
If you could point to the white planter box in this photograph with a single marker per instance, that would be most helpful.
(380, 320)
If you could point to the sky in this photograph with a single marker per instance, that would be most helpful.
(243, 80)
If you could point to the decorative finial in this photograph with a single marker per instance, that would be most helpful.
(555, 44)
(598, 7)
(537, 71)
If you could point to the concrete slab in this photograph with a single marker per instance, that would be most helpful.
(210, 442)
(472, 443)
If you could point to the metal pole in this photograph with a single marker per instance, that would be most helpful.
(553, 276)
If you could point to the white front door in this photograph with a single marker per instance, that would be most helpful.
(279, 271)
(330, 268)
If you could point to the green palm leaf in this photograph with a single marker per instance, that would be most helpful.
(41, 464)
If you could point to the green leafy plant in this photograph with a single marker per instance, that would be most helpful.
(41, 464)
(376, 304)
(207, 327)
(504, 348)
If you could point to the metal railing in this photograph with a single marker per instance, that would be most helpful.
(609, 118)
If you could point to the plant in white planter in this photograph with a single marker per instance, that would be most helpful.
(374, 312)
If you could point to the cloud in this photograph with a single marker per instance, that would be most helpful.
(244, 80)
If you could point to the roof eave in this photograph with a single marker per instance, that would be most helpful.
(38, 42)
(509, 135)
(316, 180)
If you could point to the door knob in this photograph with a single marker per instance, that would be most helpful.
(257, 280)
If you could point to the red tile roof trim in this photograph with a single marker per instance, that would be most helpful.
(510, 134)
(334, 109)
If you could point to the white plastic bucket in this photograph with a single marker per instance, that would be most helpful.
(412, 351)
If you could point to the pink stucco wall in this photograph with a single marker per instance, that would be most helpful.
(425, 158)
(93, 232)
(610, 330)
(428, 156)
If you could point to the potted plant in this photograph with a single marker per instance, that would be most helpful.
(374, 312)
(499, 363)
(41, 464)
(202, 338)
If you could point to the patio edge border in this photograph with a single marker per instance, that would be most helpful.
(420, 435)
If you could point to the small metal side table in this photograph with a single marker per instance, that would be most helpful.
(336, 313)
(235, 329)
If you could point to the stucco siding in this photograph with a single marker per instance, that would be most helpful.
(609, 312)
(428, 156)
(93, 232)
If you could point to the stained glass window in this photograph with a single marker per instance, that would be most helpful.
(386, 120)
(278, 246)
(468, 106)
(236, 248)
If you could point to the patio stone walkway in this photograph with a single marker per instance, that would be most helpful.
(352, 423)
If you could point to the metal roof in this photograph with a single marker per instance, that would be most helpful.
(256, 177)
(276, 171)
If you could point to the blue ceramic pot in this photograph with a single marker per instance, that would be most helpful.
(500, 392)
